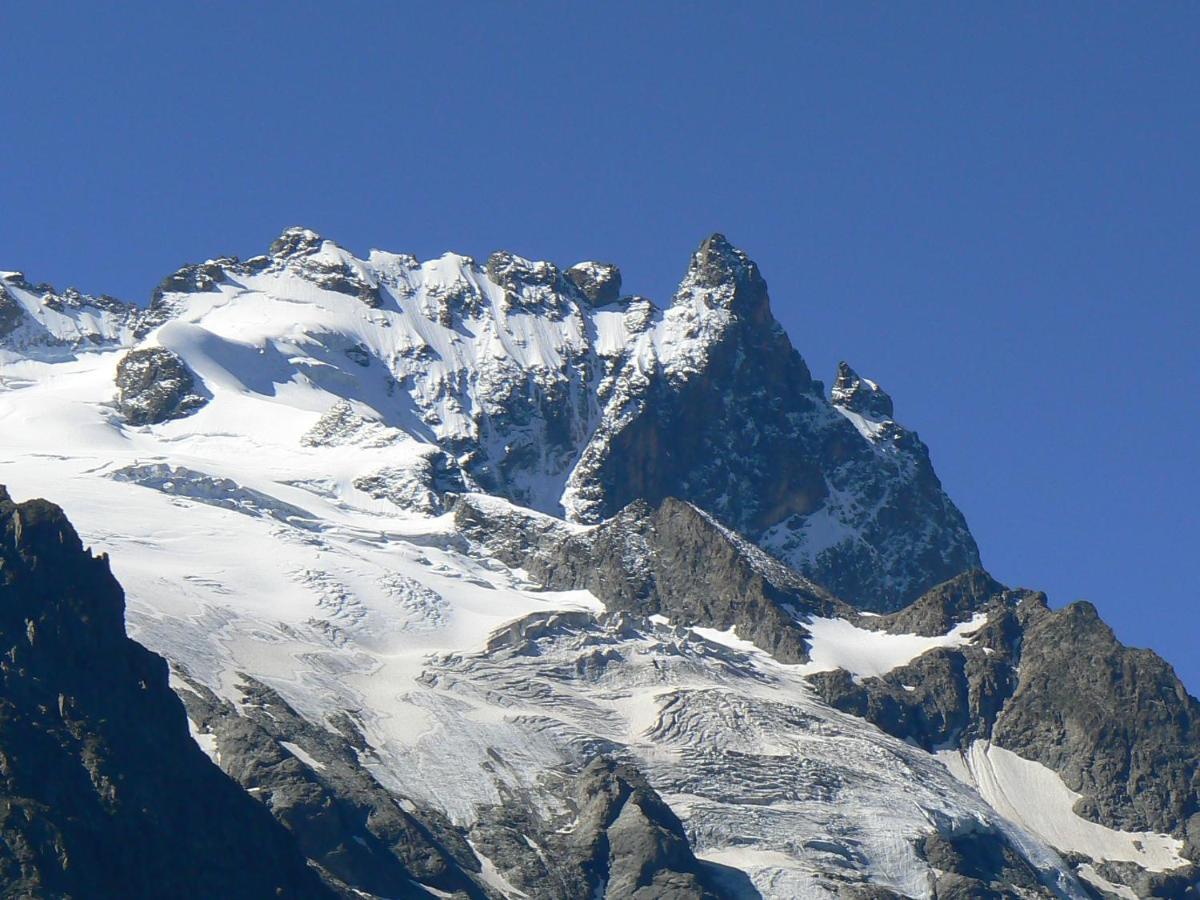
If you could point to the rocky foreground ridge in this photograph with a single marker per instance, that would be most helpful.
(490, 580)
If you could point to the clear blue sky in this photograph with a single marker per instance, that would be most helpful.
(992, 209)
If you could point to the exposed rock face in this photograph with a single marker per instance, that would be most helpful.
(980, 864)
(154, 386)
(678, 562)
(418, 485)
(1114, 721)
(860, 395)
(733, 422)
(11, 313)
(102, 791)
(599, 282)
(629, 841)
(190, 279)
(303, 252)
(39, 321)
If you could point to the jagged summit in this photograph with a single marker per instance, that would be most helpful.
(716, 261)
(296, 241)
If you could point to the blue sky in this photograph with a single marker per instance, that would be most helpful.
(990, 209)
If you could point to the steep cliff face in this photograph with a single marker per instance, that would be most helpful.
(728, 417)
(103, 793)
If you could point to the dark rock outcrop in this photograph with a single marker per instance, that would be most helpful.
(154, 385)
(599, 282)
(979, 864)
(860, 395)
(1114, 721)
(103, 793)
(678, 562)
(190, 279)
(675, 561)
(11, 313)
(297, 249)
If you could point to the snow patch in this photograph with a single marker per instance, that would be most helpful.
(301, 754)
(1035, 798)
(838, 644)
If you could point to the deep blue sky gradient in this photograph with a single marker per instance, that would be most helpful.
(991, 209)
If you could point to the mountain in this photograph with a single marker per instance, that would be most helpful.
(490, 580)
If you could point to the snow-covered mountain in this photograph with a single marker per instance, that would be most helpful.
(490, 580)
(554, 391)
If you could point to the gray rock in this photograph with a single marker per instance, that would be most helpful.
(1055, 687)
(295, 241)
(674, 561)
(680, 563)
(295, 250)
(190, 279)
(860, 395)
(534, 287)
(942, 607)
(744, 432)
(623, 842)
(154, 386)
(981, 864)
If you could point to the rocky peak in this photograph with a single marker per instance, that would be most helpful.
(189, 279)
(54, 324)
(296, 241)
(716, 261)
(10, 312)
(724, 277)
(598, 281)
(536, 287)
(860, 395)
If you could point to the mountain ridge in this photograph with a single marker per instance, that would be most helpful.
(535, 393)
